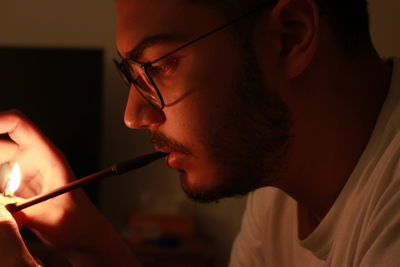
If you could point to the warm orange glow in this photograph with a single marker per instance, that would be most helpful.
(14, 181)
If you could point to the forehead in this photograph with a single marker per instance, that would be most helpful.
(139, 19)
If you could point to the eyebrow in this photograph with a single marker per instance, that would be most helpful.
(137, 52)
(149, 41)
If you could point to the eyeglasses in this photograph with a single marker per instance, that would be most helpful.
(146, 77)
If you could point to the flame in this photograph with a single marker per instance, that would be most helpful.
(15, 179)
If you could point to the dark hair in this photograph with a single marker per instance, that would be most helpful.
(348, 19)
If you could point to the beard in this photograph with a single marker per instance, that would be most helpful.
(249, 143)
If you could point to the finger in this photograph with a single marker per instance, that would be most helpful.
(14, 251)
(5, 215)
(30, 188)
(7, 150)
(20, 129)
(21, 218)
(9, 228)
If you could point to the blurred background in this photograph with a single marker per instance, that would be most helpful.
(55, 65)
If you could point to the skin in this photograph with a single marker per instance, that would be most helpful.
(70, 223)
(186, 129)
(11, 236)
(217, 137)
(300, 62)
(332, 104)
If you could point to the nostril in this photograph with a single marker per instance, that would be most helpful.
(136, 124)
(139, 113)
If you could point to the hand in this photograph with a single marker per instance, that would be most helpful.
(13, 252)
(43, 169)
(68, 222)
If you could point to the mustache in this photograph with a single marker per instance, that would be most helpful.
(162, 141)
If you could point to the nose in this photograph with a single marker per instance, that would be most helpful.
(139, 113)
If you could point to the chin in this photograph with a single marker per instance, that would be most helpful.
(206, 188)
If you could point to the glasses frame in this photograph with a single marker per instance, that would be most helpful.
(129, 80)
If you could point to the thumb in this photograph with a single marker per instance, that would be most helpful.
(13, 250)
(21, 218)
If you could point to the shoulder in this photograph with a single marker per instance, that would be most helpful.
(267, 210)
(268, 203)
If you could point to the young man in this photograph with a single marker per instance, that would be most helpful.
(286, 99)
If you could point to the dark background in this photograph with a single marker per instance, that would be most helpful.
(60, 90)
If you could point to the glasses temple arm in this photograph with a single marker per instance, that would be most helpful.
(256, 8)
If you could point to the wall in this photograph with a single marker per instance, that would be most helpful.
(90, 23)
(385, 26)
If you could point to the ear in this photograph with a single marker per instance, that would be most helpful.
(296, 24)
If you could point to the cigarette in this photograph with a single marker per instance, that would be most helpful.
(116, 169)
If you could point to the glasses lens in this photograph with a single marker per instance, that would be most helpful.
(148, 91)
(144, 85)
(133, 74)
(124, 75)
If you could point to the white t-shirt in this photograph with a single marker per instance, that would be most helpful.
(362, 228)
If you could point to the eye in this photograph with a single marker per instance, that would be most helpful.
(164, 68)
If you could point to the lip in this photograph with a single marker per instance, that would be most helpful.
(174, 159)
(162, 149)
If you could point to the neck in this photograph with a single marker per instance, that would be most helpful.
(333, 121)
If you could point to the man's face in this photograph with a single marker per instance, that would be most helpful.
(225, 130)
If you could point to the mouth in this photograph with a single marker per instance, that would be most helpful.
(163, 149)
(174, 159)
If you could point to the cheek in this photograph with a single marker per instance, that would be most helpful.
(188, 122)
(211, 85)
(208, 85)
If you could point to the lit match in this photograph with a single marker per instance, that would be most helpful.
(116, 169)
